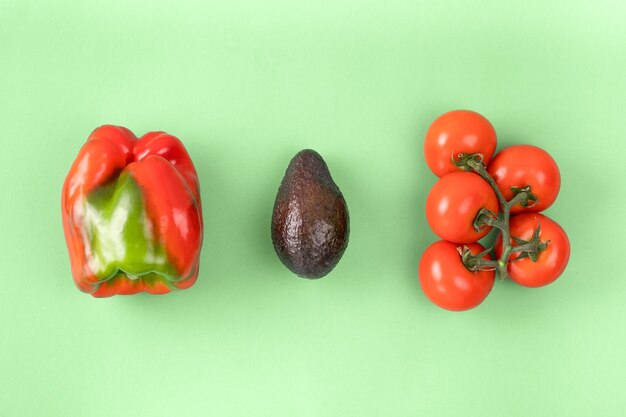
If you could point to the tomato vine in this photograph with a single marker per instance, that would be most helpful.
(501, 221)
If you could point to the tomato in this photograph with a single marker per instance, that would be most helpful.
(447, 282)
(456, 132)
(453, 203)
(526, 165)
(551, 261)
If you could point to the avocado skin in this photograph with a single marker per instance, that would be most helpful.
(310, 223)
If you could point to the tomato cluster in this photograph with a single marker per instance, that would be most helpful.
(476, 192)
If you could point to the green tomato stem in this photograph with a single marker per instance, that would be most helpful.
(479, 167)
(487, 218)
(501, 222)
(527, 247)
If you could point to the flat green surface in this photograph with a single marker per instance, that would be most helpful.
(246, 84)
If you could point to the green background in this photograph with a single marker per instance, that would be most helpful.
(246, 84)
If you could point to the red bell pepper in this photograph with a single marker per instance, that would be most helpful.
(132, 214)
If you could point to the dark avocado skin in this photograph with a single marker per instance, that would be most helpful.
(310, 224)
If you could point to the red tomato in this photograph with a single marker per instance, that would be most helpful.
(452, 205)
(551, 262)
(526, 165)
(447, 282)
(455, 132)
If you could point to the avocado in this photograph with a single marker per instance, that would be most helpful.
(310, 223)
